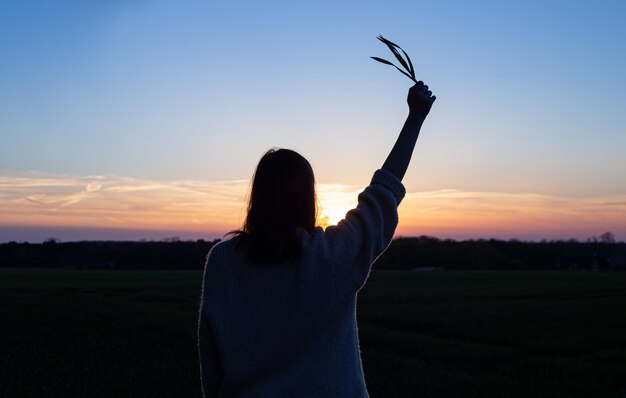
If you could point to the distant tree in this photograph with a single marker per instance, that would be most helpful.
(607, 237)
(171, 239)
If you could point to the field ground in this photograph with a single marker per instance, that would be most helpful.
(423, 334)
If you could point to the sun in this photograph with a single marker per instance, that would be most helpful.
(332, 215)
(335, 201)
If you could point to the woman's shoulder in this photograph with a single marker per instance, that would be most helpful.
(225, 247)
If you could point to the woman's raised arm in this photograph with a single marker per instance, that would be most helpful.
(420, 99)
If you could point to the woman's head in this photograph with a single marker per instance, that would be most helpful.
(282, 199)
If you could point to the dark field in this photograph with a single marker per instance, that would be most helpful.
(423, 334)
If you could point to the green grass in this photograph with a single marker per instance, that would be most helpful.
(425, 334)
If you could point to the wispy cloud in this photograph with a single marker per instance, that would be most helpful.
(465, 214)
(116, 201)
(108, 201)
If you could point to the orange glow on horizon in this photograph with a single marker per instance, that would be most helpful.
(201, 206)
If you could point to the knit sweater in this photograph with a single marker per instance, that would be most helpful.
(290, 330)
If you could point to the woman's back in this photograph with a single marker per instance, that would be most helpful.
(282, 330)
(290, 329)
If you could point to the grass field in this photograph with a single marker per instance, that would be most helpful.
(423, 334)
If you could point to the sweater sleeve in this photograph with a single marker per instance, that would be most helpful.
(355, 242)
(210, 367)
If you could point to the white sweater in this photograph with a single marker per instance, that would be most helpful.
(290, 330)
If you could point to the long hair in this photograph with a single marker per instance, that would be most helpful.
(282, 199)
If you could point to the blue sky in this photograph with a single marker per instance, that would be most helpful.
(531, 96)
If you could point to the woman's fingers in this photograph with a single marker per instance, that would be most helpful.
(425, 92)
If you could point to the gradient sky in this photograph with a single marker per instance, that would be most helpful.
(150, 116)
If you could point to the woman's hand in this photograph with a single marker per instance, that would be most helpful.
(420, 99)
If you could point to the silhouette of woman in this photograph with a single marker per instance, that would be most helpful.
(278, 309)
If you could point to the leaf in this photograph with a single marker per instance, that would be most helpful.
(384, 61)
(381, 38)
(407, 64)
(411, 70)
(393, 48)
(398, 57)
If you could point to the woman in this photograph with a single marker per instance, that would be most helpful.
(278, 310)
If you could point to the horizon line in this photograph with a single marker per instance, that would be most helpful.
(89, 234)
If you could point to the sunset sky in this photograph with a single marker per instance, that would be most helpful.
(145, 119)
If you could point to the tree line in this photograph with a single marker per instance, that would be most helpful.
(493, 254)
(596, 254)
